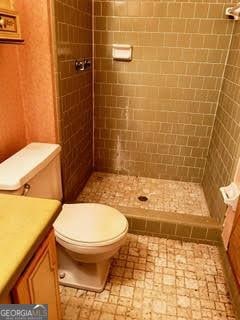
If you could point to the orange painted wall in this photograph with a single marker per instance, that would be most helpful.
(27, 96)
(37, 71)
(12, 128)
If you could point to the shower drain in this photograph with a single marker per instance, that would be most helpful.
(143, 198)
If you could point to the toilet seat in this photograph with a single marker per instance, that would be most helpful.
(90, 224)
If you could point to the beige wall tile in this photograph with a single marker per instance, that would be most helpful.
(224, 150)
(174, 79)
(73, 21)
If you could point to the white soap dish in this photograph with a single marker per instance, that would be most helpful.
(230, 195)
(122, 52)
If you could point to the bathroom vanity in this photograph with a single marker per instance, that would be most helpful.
(28, 269)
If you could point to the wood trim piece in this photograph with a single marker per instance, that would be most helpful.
(234, 247)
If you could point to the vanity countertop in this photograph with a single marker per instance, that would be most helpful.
(24, 223)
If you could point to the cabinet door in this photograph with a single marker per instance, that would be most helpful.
(5, 299)
(39, 282)
(234, 247)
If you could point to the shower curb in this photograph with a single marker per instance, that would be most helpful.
(175, 226)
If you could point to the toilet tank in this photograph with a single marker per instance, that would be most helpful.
(34, 171)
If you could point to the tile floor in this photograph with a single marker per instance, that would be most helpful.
(156, 279)
(163, 195)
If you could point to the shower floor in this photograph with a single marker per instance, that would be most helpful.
(160, 195)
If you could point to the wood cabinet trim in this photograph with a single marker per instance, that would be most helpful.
(234, 244)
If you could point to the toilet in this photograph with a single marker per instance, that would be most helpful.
(88, 235)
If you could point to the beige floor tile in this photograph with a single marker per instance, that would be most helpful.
(193, 289)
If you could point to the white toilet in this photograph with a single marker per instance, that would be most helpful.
(88, 234)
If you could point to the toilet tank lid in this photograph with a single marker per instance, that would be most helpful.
(25, 164)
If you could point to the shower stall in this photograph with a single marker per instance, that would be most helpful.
(156, 136)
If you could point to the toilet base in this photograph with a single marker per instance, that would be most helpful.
(87, 276)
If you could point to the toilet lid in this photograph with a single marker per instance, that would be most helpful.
(90, 223)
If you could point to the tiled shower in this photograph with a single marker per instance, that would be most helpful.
(73, 28)
(172, 113)
(154, 138)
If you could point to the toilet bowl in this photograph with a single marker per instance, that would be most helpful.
(88, 236)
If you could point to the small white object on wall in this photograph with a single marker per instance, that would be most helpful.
(230, 195)
(234, 12)
(122, 52)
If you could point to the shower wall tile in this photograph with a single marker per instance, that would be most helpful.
(73, 23)
(154, 115)
(224, 151)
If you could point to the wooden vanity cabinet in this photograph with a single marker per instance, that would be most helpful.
(234, 247)
(39, 282)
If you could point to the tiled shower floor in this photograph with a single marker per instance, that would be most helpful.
(163, 195)
(156, 279)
